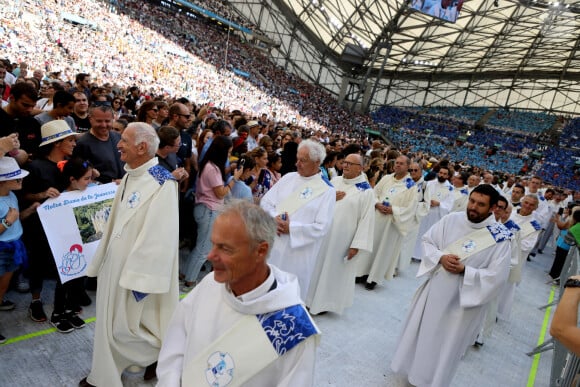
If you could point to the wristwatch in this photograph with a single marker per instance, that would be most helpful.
(5, 223)
(572, 283)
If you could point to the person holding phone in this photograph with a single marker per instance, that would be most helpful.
(241, 190)
(563, 221)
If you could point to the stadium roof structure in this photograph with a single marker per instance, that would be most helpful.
(516, 54)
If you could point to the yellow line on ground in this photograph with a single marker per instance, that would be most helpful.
(536, 362)
(43, 332)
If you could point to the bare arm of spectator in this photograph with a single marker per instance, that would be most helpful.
(564, 326)
(9, 143)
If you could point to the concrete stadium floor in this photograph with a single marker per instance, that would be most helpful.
(355, 349)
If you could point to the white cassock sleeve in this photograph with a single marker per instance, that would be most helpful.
(527, 244)
(170, 363)
(446, 204)
(431, 242)
(363, 237)
(481, 284)
(305, 233)
(404, 207)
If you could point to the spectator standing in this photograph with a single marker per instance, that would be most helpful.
(13, 251)
(211, 190)
(99, 145)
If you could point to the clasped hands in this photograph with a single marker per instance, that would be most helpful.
(452, 264)
(385, 210)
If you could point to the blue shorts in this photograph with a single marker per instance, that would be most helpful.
(7, 264)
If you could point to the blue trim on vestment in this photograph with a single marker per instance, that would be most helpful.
(160, 174)
(287, 328)
(363, 186)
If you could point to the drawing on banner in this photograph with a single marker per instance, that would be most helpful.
(73, 262)
(91, 219)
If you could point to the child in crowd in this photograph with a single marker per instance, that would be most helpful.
(76, 175)
(12, 250)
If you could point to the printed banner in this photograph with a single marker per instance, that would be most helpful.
(74, 223)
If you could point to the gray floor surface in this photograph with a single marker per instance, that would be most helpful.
(355, 348)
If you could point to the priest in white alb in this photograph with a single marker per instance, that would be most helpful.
(460, 192)
(466, 261)
(332, 284)
(244, 324)
(421, 209)
(302, 203)
(136, 264)
(395, 205)
(528, 230)
(439, 193)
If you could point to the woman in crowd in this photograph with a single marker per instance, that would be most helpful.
(162, 114)
(261, 179)
(147, 112)
(209, 197)
(45, 181)
(118, 108)
(328, 164)
(241, 190)
(274, 166)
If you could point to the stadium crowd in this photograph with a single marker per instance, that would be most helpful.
(138, 63)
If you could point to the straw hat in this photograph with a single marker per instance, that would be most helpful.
(55, 131)
(10, 170)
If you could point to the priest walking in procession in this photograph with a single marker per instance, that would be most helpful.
(466, 258)
(395, 206)
(136, 264)
(302, 203)
(332, 284)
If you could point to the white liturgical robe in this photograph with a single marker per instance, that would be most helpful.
(408, 244)
(332, 284)
(138, 252)
(525, 240)
(210, 311)
(297, 251)
(443, 193)
(447, 310)
(389, 229)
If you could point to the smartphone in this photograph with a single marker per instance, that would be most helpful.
(241, 163)
(560, 211)
(284, 216)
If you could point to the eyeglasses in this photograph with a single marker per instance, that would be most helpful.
(349, 164)
(102, 103)
(187, 116)
(155, 110)
(414, 170)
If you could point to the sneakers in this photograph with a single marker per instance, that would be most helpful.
(36, 311)
(7, 305)
(61, 323)
(2, 339)
(75, 321)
